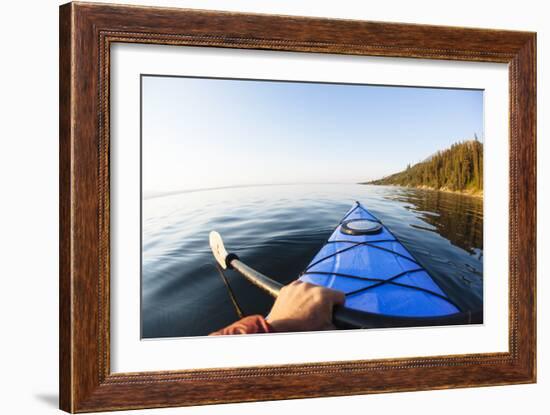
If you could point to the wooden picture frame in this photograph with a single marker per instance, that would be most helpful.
(86, 33)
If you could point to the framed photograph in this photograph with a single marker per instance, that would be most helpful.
(258, 207)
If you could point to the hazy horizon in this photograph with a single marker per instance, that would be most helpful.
(202, 133)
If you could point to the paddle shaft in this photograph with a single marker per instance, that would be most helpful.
(256, 278)
(342, 317)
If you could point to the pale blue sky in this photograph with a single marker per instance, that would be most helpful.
(202, 133)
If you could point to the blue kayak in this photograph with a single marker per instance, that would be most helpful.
(377, 273)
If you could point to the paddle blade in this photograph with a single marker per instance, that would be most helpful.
(218, 249)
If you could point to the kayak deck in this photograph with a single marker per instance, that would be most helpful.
(375, 271)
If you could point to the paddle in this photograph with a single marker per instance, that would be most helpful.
(342, 317)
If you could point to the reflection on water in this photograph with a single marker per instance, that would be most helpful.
(277, 230)
(457, 218)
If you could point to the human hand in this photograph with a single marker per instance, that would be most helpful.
(301, 306)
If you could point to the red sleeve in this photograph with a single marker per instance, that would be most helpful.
(247, 325)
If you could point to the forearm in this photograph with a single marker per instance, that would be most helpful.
(248, 325)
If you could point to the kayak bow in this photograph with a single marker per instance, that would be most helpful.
(377, 273)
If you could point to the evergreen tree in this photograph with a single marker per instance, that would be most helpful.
(458, 168)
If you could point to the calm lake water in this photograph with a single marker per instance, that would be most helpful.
(278, 230)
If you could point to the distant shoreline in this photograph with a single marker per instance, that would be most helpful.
(475, 193)
(153, 195)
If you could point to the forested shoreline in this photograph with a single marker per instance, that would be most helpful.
(456, 169)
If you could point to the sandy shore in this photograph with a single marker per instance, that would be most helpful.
(478, 193)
